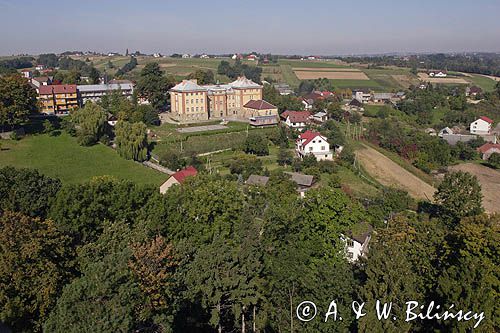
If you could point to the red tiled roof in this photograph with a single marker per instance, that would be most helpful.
(58, 89)
(487, 146)
(41, 78)
(180, 176)
(259, 105)
(296, 116)
(486, 119)
(308, 136)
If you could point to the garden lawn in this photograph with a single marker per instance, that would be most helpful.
(63, 158)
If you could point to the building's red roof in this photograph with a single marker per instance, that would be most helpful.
(486, 119)
(259, 105)
(308, 136)
(487, 146)
(180, 176)
(58, 89)
(296, 116)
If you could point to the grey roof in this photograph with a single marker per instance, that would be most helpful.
(257, 180)
(383, 95)
(301, 179)
(188, 85)
(243, 82)
(105, 87)
(320, 114)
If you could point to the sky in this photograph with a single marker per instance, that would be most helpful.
(322, 27)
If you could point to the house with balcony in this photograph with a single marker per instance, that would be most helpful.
(313, 143)
(58, 99)
(261, 113)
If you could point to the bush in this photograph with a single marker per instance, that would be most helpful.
(327, 166)
(256, 144)
(172, 160)
(14, 136)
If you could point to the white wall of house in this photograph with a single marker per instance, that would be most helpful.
(354, 249)
(319, 147)
(480, 126)
(166, 185)
(307, 106)
(294, 125)
(489, 152)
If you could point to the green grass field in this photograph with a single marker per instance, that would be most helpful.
(483, 82)
(63, 158)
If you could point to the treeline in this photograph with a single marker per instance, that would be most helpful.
(9, 66)
(76, 68)
(238, 69)
(129, 66)
(112, 256)
(481, 63)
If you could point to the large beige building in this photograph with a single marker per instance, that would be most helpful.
(191, 102)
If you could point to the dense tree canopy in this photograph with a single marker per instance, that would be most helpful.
(26, 191)
(17, 100)
(36, 262)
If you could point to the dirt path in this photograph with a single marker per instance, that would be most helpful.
(389, 173)
(490, 184)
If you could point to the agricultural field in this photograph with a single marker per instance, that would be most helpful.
(232, 137)
(442, 80)
(342, 75)
(389, 173)
(61, 157)
(489, 180)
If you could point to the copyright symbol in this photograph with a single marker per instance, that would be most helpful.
(306, 311)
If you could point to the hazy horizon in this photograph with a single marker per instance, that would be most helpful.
(279, 27)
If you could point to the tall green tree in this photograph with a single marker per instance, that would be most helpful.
(90, 122)
(256, 144)
(17, 100)
(153, 85)
(459, 195)
(131, 140)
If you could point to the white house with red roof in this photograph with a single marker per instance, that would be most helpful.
(481, 126)
(296, 119)
(178, 178)
(488, 149)
(314, 143)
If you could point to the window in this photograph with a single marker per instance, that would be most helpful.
(310, 148)
(322, 147)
